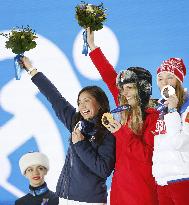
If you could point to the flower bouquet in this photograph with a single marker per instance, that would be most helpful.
(90, 16)
(20, 40)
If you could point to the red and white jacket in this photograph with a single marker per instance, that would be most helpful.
(171, 148)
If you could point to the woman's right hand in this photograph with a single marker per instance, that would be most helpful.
(114, 126)
(90, 39)
(77, 136)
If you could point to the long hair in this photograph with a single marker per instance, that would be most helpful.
(103, 102)
(179, 90)
(133, 118)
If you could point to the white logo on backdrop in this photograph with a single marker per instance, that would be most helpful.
(30, 116)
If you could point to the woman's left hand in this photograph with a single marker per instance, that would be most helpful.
(25, 63)
(77, 136)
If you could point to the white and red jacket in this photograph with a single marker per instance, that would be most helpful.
(171, 148)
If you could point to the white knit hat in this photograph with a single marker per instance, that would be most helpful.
(33, 158)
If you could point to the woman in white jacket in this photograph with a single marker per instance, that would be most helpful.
(171, 144)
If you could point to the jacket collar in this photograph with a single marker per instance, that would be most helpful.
(36, 191)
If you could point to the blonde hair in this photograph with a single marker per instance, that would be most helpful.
(134, 117)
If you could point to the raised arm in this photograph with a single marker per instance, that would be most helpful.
(63, 109)
(104, 67)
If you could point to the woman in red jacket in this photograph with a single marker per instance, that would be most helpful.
(132, 182)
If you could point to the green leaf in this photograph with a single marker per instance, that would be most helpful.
(91, 16)
(20, 39)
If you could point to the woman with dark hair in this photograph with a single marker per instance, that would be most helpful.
(171, 145)
(91, 155)
(132, 182)
(35, 166)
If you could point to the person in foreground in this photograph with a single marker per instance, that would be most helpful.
(132, 183)
(91, 154)
(34, 166)
(171, 146)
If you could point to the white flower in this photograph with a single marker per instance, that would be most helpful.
(90, 8)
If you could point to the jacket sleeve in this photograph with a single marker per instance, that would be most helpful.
(101, 161)
(63, 109)
(106, 71)
(138, 147)
(177, 128)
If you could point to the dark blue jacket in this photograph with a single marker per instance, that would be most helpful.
(36, 198)
(87, 164)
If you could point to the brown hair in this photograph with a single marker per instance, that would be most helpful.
(133, 118)
(179, 93)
